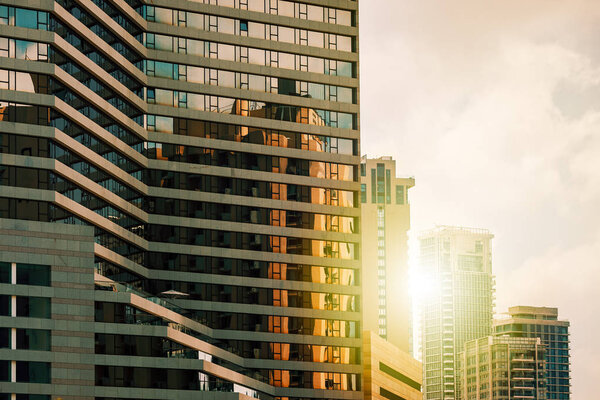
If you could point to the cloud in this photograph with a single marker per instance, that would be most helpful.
(567, 279)
(495, 108)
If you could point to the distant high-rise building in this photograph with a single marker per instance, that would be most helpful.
(211, 149)
(543, 323)
(386, 210)
(458, 263)
(389, 373)
(502, 368)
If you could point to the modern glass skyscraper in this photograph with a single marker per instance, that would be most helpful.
(458, 263)
(213, 147)
(543, 323)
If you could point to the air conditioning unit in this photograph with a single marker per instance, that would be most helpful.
(254, 192)
(256, 240)
(255, 265)
(254, 216)
(228, 191)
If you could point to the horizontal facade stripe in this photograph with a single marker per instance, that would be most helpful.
(118, 202)
(261, 17)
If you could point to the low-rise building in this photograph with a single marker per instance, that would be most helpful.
(502, 368)
(389, 373)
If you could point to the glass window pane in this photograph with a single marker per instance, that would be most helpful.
(195, 47)
(286, 34)
(226, 25)
(226, 52)
(316, 65)
(33, 339)
(344, 95)
(315, 39)
(256, 56)
(4, 370)
(344, 43)
(163, 69)
(164, 97)
(195, 74)
(26, 18)
(5, 272)
(163, 15)
(195, 20)
(33, 372)
(163, 42)
(315, 13)
(256, 30)
(256, 5)
(34, 307)
(30, 274)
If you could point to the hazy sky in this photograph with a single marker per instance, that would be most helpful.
(494, 107)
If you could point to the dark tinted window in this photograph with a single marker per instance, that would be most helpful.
(4, 305)
(33, 372)
(4, 272)
(31, 274)
(35, 307)
(4, 370)
(33, 339)
(4, 338)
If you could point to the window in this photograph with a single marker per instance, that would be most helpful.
(363, 193)
(5, 272)
(399, 194)
(31, 274)
(363, 169)
(33, 372)
(34, 307)
(373, 185)
(33, 339)
(388, 183)
(244, 25)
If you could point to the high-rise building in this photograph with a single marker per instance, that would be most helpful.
(543, 323)
(213, 148)
(458, 264)
(386, 298)
(502, 368)
(390, 373)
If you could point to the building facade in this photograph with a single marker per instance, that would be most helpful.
(503, 368)
(543, 323)
(386, 298)
(458, 263)
(213, 148)
(390, 373)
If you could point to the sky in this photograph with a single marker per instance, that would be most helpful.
(494, 108)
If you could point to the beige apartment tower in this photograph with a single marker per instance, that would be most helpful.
(389, 373)
(503, 368)
(458, 263)
(386, 212)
